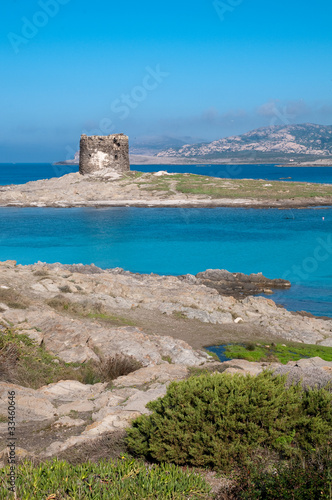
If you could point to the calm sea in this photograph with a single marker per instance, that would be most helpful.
(294, 244)
(19, 173)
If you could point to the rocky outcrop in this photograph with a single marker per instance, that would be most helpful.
(50, 293)
(74, 413)
(238, 285)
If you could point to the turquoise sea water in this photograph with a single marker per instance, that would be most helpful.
(295, 244)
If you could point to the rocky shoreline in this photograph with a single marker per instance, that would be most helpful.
(80, 313)
(160, 189)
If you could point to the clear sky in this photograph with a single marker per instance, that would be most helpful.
(198, 69)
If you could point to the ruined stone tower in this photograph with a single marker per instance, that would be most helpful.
(104, 154)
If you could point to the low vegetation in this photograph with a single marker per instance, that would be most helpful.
(219, 420)
(87, 310)
(248, 188)
(277, 352)
(13, 299)
(24, 363)
(308, 477)
(232, 188)
(122, 479)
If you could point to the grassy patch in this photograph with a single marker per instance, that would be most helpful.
(86, 310)
(221, 188)
(122, 479)
(110, 318)
(133, 174)
(277, 352)
(24, 363)
(231, 188)
(42, 273)
(213, 355)
(179, 315)
(13, 299)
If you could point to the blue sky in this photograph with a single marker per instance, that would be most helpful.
(195, 70)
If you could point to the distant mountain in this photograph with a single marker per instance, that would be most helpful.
(152, 145)
(279, 142)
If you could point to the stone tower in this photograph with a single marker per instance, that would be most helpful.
(104, 155)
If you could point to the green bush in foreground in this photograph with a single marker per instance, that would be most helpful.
(124, 479)
(218, 420)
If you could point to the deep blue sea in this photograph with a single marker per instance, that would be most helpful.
(19, 173)
(291, 244)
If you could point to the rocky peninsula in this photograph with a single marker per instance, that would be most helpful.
(83, 314)
(108, 188)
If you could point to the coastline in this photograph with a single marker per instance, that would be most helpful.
(303, 204)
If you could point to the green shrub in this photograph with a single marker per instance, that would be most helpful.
(218, 420)
(123, 479)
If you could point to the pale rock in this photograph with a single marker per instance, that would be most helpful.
(160, 374)
(38, 287)
(138, 401)
(244, 367)
(59, 446)
(79, 354)
(72, 390)
(305, 363)
(116, 421)
(8, 263)
(31, 404)
(69, 422)
(84, 406)
(15, 315)
(326, 342)
(238, 320)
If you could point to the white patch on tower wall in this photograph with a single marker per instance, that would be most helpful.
(99, 159)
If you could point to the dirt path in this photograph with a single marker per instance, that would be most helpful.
(197, 334)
